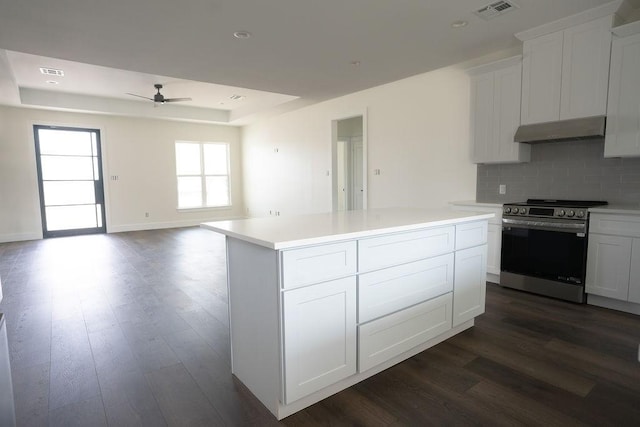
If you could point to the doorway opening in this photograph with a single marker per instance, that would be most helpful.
(349, 186)
(69, 165)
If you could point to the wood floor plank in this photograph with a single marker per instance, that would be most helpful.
(526, 410)
(488, 346)
(180, 399)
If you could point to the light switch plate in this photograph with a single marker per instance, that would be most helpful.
(502, 189)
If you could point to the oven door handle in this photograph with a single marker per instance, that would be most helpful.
(563, 227)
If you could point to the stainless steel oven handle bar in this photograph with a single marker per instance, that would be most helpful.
(563, 227)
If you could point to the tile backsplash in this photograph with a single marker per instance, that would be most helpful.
(563, 170)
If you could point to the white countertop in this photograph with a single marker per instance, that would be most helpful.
(617, 209)
(473, 203)
(284, 232)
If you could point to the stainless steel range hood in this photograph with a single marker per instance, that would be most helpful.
(563, 130)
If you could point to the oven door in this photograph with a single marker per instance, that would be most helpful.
(548, 249)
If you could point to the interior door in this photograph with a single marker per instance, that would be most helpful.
(70, 178)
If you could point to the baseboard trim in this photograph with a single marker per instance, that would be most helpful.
(613, 304)
(20, 237)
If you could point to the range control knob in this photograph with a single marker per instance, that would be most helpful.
(523, 211)
(507, 210)
(514, 210)
(580, 214)
(570, 214)
(561, 213)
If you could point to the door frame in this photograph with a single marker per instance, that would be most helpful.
(73, 232)
(334, 158)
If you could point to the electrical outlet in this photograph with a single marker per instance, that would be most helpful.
(146, 214)
(502, 189)
(376, 171)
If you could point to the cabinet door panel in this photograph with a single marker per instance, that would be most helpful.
(396, 333)
(482, 119)
(385, 291)
(634, 277)
(470, 284)
(623, 110)
(541, 78)
(494, 246)
(507, 100)
(585, 69)
(608, 266)
(319, 324)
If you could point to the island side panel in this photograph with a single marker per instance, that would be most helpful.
(253, 318)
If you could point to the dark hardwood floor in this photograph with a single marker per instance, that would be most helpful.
(132, 329)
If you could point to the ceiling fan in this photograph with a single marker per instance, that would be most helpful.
(159, 98)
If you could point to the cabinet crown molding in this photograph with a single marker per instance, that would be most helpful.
(495, 65)
(627, 29)
(607, 9)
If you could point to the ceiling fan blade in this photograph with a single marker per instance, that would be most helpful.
(176, 99)
(140, 96)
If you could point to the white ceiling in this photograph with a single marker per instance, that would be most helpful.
(300, 52)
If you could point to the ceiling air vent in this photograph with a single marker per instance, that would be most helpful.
(495, 9)
(51, 72)
(236, 97)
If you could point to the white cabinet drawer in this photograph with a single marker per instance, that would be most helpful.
(391, 289)
(385, 251)
(396, 333)
(471, 234)
(616, 225)
(316, 264)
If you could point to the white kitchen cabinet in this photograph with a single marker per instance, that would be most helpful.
(565, 74)
(300, 332)
(622, 136)
(469, 286)
(634, 276)
(495, 112)
(613, 257)
(541, 78)
(608, 268)
(494, 246)
(319, 325)
(494, 235)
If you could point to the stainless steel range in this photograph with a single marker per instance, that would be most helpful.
(544, 247)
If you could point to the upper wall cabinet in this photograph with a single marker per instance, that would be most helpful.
(565, 73)
(623, 111)
(495, 112)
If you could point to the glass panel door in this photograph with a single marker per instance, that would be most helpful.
(70, 179)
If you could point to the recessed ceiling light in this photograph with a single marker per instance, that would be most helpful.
(459, 24)
(52, 82)
(242, 34)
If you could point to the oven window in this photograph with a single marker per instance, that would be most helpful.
(546, 254)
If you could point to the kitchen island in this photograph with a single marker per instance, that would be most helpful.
(320, 302)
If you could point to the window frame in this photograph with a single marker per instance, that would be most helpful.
(203, 176)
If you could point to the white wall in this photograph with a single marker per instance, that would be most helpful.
(139, 151)
(418, 136)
